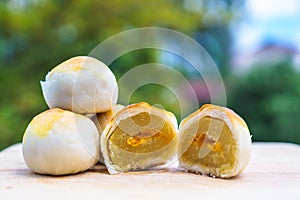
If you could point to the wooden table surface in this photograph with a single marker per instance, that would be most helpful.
(273, 173)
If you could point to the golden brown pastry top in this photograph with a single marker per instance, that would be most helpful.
(233, 117)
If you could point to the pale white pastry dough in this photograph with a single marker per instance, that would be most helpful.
(139, 137)
(81, 84)
(224, 140)
(59, 142)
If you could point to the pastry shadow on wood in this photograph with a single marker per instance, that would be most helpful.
(98, 168)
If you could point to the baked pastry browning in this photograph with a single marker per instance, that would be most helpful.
(139, 137)
(81, 84)
(60, 142)
(214, 141)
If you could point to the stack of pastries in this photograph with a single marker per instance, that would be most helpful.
(85, 125)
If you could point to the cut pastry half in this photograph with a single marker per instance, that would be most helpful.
(214, 141)
(139, 137)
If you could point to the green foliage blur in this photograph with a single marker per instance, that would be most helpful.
(37, 35)
(268, 98)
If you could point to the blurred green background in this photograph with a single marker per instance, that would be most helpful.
(36, 35)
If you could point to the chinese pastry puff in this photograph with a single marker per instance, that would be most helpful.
(81, 84)
(139, 137)
(214, 141)
(60, 142)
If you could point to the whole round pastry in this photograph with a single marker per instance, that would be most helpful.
(59, 142)
(81, 84)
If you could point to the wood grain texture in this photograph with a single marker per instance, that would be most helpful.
(273, 173)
